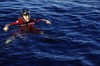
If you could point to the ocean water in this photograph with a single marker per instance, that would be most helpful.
(73, 38)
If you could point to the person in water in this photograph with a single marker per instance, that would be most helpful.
(26, 24)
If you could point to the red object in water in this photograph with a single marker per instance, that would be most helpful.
(26, 26)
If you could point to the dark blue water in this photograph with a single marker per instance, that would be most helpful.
(73, 38)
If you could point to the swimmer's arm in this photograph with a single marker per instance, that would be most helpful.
(47, 21)
(6, 27)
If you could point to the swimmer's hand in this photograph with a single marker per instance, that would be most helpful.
(47, 21)
(6, 28)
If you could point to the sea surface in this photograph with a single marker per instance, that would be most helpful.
(73, 38)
